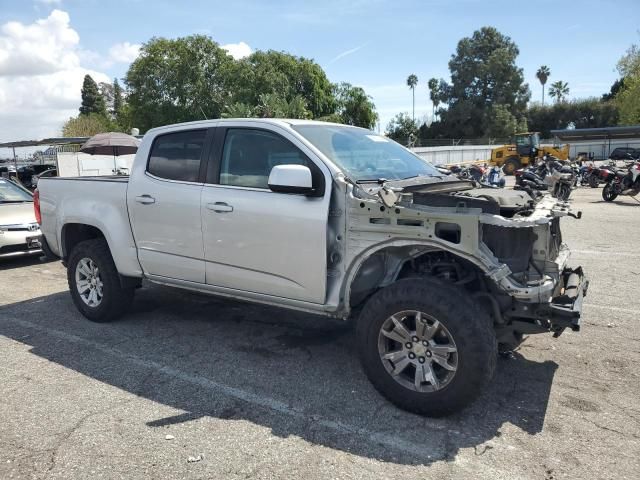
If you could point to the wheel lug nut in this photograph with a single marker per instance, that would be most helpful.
(412, 355)
(425, 343)
(408, 345)
(415, 339)
(421, 359)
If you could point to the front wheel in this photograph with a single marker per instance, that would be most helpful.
(511, 165)
(608, 193)
(94, 282)
(426, 346)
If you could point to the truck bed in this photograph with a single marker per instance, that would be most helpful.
(100, 202)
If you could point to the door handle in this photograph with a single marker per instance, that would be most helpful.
(145, 199)
(220, 207)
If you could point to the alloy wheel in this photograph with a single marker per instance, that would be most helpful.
(417, 351)
(89, 282)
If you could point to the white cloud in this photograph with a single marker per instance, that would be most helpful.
(41, 75)
(238, 50)
(124, 52)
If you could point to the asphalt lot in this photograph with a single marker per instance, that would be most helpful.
(188, 386)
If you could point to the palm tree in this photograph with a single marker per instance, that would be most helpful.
(559, 90)
(434, 95)
(412, 81)
(543, 74)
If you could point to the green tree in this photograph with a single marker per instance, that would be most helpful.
(434, 95)
(354, 106)
(543, 74)
(239, 110)
(118, 99)
(503, 124)
(628, 98)
(483, 74)
(86, 125)
(615, 88)
(402, 128)
(179, 80)
(412, 81)
(287, 77)
(559, 90)
(583, 113)
(92, 100)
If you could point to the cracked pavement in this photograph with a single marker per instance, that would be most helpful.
(258, 392)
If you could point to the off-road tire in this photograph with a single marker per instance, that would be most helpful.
(607, 194)
(116, 299)
(511, 165)
(470, 327)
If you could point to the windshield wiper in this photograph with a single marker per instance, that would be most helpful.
(15, 201)
(379, 181)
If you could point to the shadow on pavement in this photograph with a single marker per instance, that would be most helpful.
(632, 202)
(9, 263)
(295, 374)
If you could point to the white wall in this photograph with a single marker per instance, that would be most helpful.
(471, 153)
(458, 154)
(83, 165)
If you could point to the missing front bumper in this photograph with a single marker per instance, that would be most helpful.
(563, 311)
(566, 307)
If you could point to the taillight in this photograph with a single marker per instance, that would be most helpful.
(36, 206)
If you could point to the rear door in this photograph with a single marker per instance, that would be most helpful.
(164, 205)
(256, 240)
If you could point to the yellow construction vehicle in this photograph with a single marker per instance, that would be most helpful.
(526, 149)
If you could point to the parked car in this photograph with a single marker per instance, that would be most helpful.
(332, 220)
(625, 153)
(19, 232)
(53, 172)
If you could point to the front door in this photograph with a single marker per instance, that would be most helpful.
(164, 204)
(256, 240)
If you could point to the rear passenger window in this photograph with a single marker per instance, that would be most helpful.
(176, 156)
(249, 155)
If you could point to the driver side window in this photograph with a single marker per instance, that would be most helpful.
(249, 155)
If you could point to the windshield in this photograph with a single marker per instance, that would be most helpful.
(363, 155)
(535, 140)
(12, 193)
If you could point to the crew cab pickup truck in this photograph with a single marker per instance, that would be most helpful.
(329, 219)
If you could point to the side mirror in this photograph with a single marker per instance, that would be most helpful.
(291, 179)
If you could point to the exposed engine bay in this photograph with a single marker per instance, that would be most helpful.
(503, 246)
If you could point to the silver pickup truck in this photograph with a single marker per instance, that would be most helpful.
(437, 274)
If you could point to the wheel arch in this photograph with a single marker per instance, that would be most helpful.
(384, 264)
(74, 232)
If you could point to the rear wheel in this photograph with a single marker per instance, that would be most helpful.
(511, 165)
(94, 282)
(426, 346)
(593, 181)
(608, 194)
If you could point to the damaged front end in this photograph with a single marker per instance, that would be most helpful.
(515, 241)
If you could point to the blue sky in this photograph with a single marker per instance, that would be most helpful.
(373, 43)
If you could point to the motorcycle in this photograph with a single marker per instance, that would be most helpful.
(495, 177)
(560, 178)
(622, 183)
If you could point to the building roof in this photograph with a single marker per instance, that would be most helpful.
(606, 133)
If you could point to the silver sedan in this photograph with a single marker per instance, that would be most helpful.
(19, 231)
